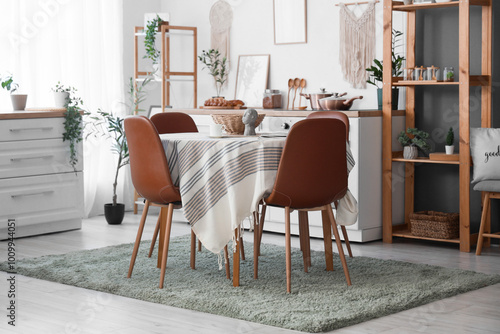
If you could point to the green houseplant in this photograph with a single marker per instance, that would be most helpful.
(62, 94)
(18, 100)
(106, 125)
(73, 127)
(152, 52)
(376, 71)
(450, 138)
(217, 66)
(411, 145)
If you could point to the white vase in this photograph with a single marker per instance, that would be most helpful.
(61, 99)
(18, 101)
(410, 152)
(449, 149)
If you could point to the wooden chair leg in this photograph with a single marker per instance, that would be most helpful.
(242, 249)
(346, 240)
(193, 250)
(165, 243)
(339, 243)
(327, 238)
(236, 259)
(256, 236)
(136, 197)
(199, 246)
(138, 238)
(304, 236)
(261, 224)
(155, 235)
(226, 262)
(288, 251)
(484, 216)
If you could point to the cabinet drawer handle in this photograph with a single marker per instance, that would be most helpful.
(46, 192)
(34, 157)
(45, 128)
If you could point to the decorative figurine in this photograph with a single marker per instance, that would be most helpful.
(249, 118)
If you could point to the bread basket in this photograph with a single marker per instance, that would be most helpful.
(233, 124)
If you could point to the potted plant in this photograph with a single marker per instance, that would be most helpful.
(450, 138)
(106, 125)
(412, 145)
(376, 71)
(73, 125)
(217, 67)
(62, 95)
(18, 100)
(150, 44)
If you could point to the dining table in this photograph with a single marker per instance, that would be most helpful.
(222, 180)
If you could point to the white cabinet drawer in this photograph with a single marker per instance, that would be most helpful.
(31, 128)
(35, 157)
(40, 199)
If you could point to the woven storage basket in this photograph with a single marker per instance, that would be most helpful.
(232, 124)
(433, 224)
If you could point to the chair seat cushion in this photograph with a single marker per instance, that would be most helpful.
(488, 185)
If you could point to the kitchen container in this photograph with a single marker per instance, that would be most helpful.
(449, 74)
(314, 98)
(272, 99)
(337, 103)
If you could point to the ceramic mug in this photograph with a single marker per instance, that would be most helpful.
(215, 130)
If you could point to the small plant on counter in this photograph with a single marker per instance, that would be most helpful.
(136, 93)
(216, 66)
(150, 40)
(9, 84)
(73, 126)
(450, 137)
(419, 139)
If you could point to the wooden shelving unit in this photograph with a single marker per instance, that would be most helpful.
(168, 75)
(401, 229)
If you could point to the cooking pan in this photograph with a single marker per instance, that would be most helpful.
(337, 103)
(314, 98)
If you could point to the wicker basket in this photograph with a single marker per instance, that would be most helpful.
(432, 224)
(232, 124)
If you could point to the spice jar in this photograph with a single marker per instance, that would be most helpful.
(272, 99)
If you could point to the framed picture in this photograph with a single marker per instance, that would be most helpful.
(251, 79)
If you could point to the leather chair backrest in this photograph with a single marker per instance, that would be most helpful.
(173, 122)
(313, 167)
(148, 164)
(333, 114)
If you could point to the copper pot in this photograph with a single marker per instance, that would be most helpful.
(314, 98)
(335, 103)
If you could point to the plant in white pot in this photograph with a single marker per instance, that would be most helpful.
(18, 100)
(106, 125)
(62, 95)
(450, 138)
(412, 145)
(150, 44)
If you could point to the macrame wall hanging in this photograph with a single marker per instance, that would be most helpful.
(221, 18)
(357, 43)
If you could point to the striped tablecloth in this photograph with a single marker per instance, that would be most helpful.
(222, 180)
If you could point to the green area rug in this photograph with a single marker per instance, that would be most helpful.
(320, 300)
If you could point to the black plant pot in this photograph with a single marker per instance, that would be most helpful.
(114, 213)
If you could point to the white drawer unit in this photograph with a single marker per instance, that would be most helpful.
(38, 186)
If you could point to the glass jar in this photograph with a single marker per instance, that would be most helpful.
(449, 74)
(272, 99)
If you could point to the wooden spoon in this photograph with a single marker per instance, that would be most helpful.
(302, 85)
(296, 85)
(290, 85)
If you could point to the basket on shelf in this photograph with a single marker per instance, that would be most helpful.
(433, 224)
(233, 124)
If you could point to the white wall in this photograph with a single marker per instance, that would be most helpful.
(252, 33)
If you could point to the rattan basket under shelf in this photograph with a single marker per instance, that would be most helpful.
(232, 123)
(433, 224)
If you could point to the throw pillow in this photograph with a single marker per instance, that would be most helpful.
(485, 152)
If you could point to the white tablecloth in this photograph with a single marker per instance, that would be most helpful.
(222, 180)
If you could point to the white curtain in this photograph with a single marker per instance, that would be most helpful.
(80, 44)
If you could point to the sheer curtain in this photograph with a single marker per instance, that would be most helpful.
(80, 44)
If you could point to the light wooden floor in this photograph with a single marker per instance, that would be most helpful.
(45, 307)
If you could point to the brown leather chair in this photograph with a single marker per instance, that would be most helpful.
(343, 117)
(152, 180)
(312, 174)
(173, 122)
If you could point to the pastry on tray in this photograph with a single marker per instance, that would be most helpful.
(222, 102)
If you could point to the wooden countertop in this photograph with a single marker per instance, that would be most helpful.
(32, 113)
(285, 113)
